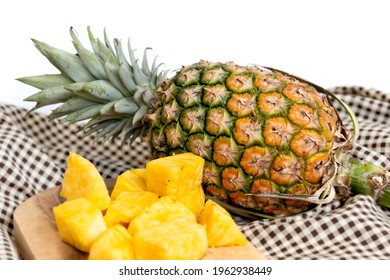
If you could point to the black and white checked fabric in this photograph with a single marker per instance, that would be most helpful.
(34, 150)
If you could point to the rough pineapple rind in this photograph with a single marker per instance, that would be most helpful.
(180, 239)
(115, 243)
(82, 179)
(221, 229)
(79, 222)
(127, 205)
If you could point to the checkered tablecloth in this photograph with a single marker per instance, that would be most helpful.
(34, 150)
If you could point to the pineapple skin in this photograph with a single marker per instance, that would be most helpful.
(259, 131)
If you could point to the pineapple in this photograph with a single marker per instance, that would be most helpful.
(130, 180)
(163, 209)
(221, 229)
(82, 179)
(273, 144)
(79, 222)
(178, 176)
(127, 205)
(115, 243)
(178, 239)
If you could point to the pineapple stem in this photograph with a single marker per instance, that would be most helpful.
(369, 179)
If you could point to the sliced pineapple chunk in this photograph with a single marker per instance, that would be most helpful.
(161, 210)
(130, 180)
(127, 205)
(115, 243)
(174, 239)
(194, 199)
(179, 176)
(79, 222)
(221, 228)
(82, 179)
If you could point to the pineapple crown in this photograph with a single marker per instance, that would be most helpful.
(103, 86)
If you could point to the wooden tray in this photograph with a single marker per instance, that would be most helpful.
(37, 238)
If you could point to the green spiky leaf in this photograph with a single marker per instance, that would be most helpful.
(45, 81)
(69, 64)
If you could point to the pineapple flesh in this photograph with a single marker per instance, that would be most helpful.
(82, 179)
(130, 180)
(79, 223)
(269, 140)
(127, 205)
(163, 209)
(178, 176)
(221, 229)
(115, 243)
(178, 239)
(142, 225)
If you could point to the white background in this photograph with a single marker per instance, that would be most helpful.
(330, 43)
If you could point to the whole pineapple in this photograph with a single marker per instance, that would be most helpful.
(273, 144)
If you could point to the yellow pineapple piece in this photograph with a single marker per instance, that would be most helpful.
(127, 205)
(178, 176)
(161, 210)
(79, 222)
(130, 180)
(115, 243)
(82, 179)
(141, 172)
(221, 228)
(194, 199)
(175, 239)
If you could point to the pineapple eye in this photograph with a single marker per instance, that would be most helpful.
(213, 76)
(239, 83)
(233, 179)
(241, 104)
(190, 96)
(188, 77)
(285, 170)
(318, 165)
(277, 131)
(267, 83)
(200, 144)
(247, 131)
(307, 142)
(192, 119)
(218, 121)
(255, 161)
(226, 152)
(215, 95)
